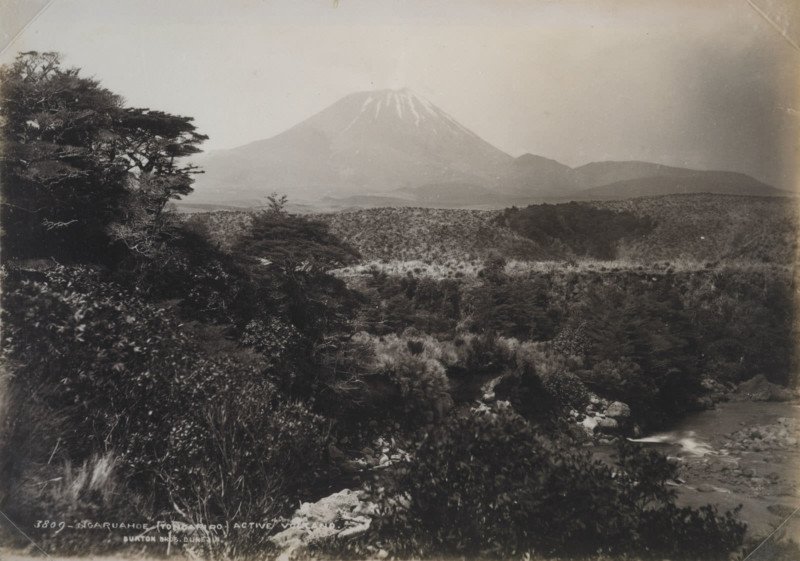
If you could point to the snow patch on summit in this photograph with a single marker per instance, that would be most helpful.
(405, 100)
(406, 107)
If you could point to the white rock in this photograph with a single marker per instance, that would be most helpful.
(589, 423)
(607, 423)
(343, 514)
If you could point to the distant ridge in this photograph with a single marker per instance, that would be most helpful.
(395, 148)
(713, 182)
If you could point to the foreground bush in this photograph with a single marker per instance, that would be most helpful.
(486, 483)
(209, 434)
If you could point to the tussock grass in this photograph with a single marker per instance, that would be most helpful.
(92, 479)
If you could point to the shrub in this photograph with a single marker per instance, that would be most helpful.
(576, 229)
(402, 378)
(517, 307)
(486, 483)
(123, 374)
(427, 304)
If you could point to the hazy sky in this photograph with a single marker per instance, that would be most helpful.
(712, 86)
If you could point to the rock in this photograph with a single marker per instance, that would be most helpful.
(705, 403)
(340, 515)
(350, 467)
(589, 424)
(706, 488)
(758, 388)
(334, 453)
(382, 554)
(618, 410)
(606, 424)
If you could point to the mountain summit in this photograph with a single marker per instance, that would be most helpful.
(365, 143)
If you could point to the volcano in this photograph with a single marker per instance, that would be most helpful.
(366, 143)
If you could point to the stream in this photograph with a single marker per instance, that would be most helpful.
(741, 452)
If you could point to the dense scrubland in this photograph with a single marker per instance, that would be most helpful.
(682, 229)
(223, 369)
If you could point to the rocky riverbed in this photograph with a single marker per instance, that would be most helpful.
(740, 452)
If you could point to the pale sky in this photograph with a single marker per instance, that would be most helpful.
(713, 86)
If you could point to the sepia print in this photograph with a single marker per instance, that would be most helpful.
(399, 280)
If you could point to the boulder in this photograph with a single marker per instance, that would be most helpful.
(589, 424)
(618, 410)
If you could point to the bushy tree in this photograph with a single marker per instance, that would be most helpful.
(79, 169)
(293, 242)
(150, 144)
(61, 186)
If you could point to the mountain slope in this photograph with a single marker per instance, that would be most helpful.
(531, 175)
(603, 173)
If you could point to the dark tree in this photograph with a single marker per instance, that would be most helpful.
(150, 143)
(294, 242)
(79, 169)
(60, 186)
